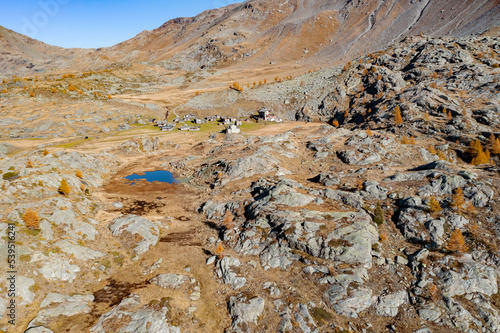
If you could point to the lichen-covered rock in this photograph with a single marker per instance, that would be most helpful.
(436, 232)
(411, 224)
(78, 251)
(55, 304)
(58, 268)
(259, 163)
(24, 285)
(388, 305)
(355, 245)
(147, 231)
(293, 199)
(169, 281)
(360, 156)
(276, 255)
(480, 194)
(471, 278)
(326, 179)
(64, 217)
(373, 191)
(349, 304)
(140, 145)
(225, 272)
(243, 311)
(429, 312)
(130, 316)
(352, 199)
(443, 185)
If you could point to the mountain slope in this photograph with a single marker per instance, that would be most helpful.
(20, 54)
(255, 33)
(258, 32)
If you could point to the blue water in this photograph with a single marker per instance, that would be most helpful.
(154, 176)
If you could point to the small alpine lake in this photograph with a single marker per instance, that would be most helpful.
(153, 176)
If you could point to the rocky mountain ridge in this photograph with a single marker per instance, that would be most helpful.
(256, 33)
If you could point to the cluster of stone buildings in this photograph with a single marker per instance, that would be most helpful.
(231, 124)
(266, 115)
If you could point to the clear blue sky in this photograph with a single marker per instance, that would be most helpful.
(95, 23)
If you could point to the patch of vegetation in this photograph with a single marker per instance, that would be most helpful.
(148, 127)
(55, 249)
(34, 288)
(321, 316)
(10, 175)
(32, 232)
(249, 126)
(106, 263)
(378, 215)
(290, 230)
(338, 242)
(119, 260)
(71, 144)
(25, 257)
(495, 299)
(153, 302)
(64, 187)
(210, 127)
(31, 219)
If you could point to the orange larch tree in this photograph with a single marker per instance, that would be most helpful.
(397, 115)
(457, 199)
(456, 243)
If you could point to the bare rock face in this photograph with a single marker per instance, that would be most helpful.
(172, 281)
(225, 271)
(55, 305)
(59, 268)
(245, 312)
(140, 146)
(472, 278)
(388, 305)
(359, 157)
(147, 231)
(129, 316)
(78, 251)
(359, 301)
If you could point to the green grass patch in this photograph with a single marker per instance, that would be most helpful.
(321, 316)
(135, 128)
(32, 232)
(149, 127)
(249, 126)
(10, 175)
(211, 127)
(72, 143)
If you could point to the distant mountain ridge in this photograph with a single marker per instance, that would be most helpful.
(259, 32)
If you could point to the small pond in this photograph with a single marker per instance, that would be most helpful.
(153, 176)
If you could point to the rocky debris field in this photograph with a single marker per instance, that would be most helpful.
(313, 229)
(419, 74)
(363, 241)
